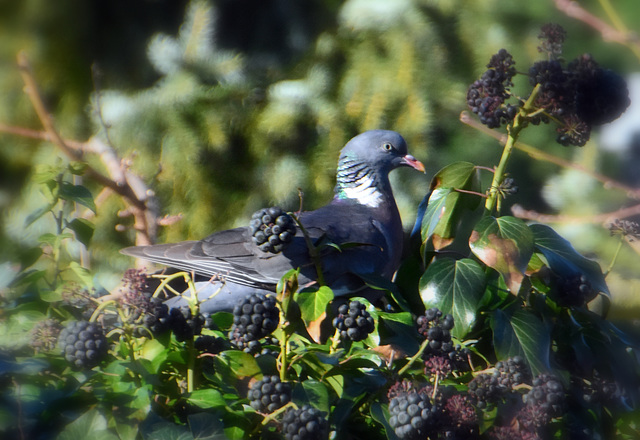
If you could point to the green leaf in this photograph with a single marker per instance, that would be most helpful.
(563, 259)
(90, 423)
(313, 303)
(37, 214)
(77, 168)
(54, 240)
(398, 329)
(380, 414)
(82, 273)
(241, 364)
(83, 229)
(78, 194)
(436, 209)
(313, 392)
(446, 205)
(504, 244)
(521, 333)
(205, 427)
(456, 287)
(207, 398)
(45, 172)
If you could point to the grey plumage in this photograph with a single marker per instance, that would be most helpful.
(362, 211)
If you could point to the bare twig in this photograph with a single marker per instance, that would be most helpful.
(609, 33)
(140, 200)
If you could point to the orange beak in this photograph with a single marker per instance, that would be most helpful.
(411, 161)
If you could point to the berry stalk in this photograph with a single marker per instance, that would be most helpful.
(513, 132)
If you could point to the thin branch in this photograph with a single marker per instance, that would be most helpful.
(128, 185)
(520, 212)
(609, 33)
(535, 153)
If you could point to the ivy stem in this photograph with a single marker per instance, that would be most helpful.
(513, 131)
(284, 353)
(313, 251)
(413, 358)
(615, 257)
(191, 360)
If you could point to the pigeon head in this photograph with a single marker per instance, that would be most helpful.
(365, 163)
(382, 150)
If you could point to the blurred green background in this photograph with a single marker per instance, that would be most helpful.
(227, 106)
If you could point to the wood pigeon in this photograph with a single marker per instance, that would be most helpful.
(362, 213)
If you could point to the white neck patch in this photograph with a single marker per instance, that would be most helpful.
(365, 192)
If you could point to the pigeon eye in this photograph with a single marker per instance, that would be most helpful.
(387, 146)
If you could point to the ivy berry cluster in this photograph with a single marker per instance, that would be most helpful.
(576, 96)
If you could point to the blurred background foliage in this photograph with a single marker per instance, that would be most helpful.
(227, 106)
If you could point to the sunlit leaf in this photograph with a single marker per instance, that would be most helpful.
(206, 398)
(313, 303)
(447, 205)
(241, 364)
(506, 245)
(456, 287)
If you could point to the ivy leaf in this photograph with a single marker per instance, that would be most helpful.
(78, 194)
(313, 303)
(206, 398)
(446, 205)
(205, 427)
(454, 287)
(312, 391)
(504, 244)
(380, 413)
(563, 259)
(241, 364)
(521, 333)
(90, 422)
(83, 229)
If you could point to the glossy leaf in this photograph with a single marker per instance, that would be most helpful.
(313, 392)
(313, 303)
(564, 259)
(206, 398)
(241, 364)
(504, 244)
(446, 205)
(521, 333)
(456, 287)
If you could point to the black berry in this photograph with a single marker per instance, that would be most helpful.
(306, 423)
(272, 229)
(412, 415)
(83, 344)
(269, 394)
(254, 317)
(353, 321)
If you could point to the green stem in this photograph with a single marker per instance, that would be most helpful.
(414, 357)
(100, 308)
(191, 361)
(284, 354)
(615, 257)
(513, 131)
